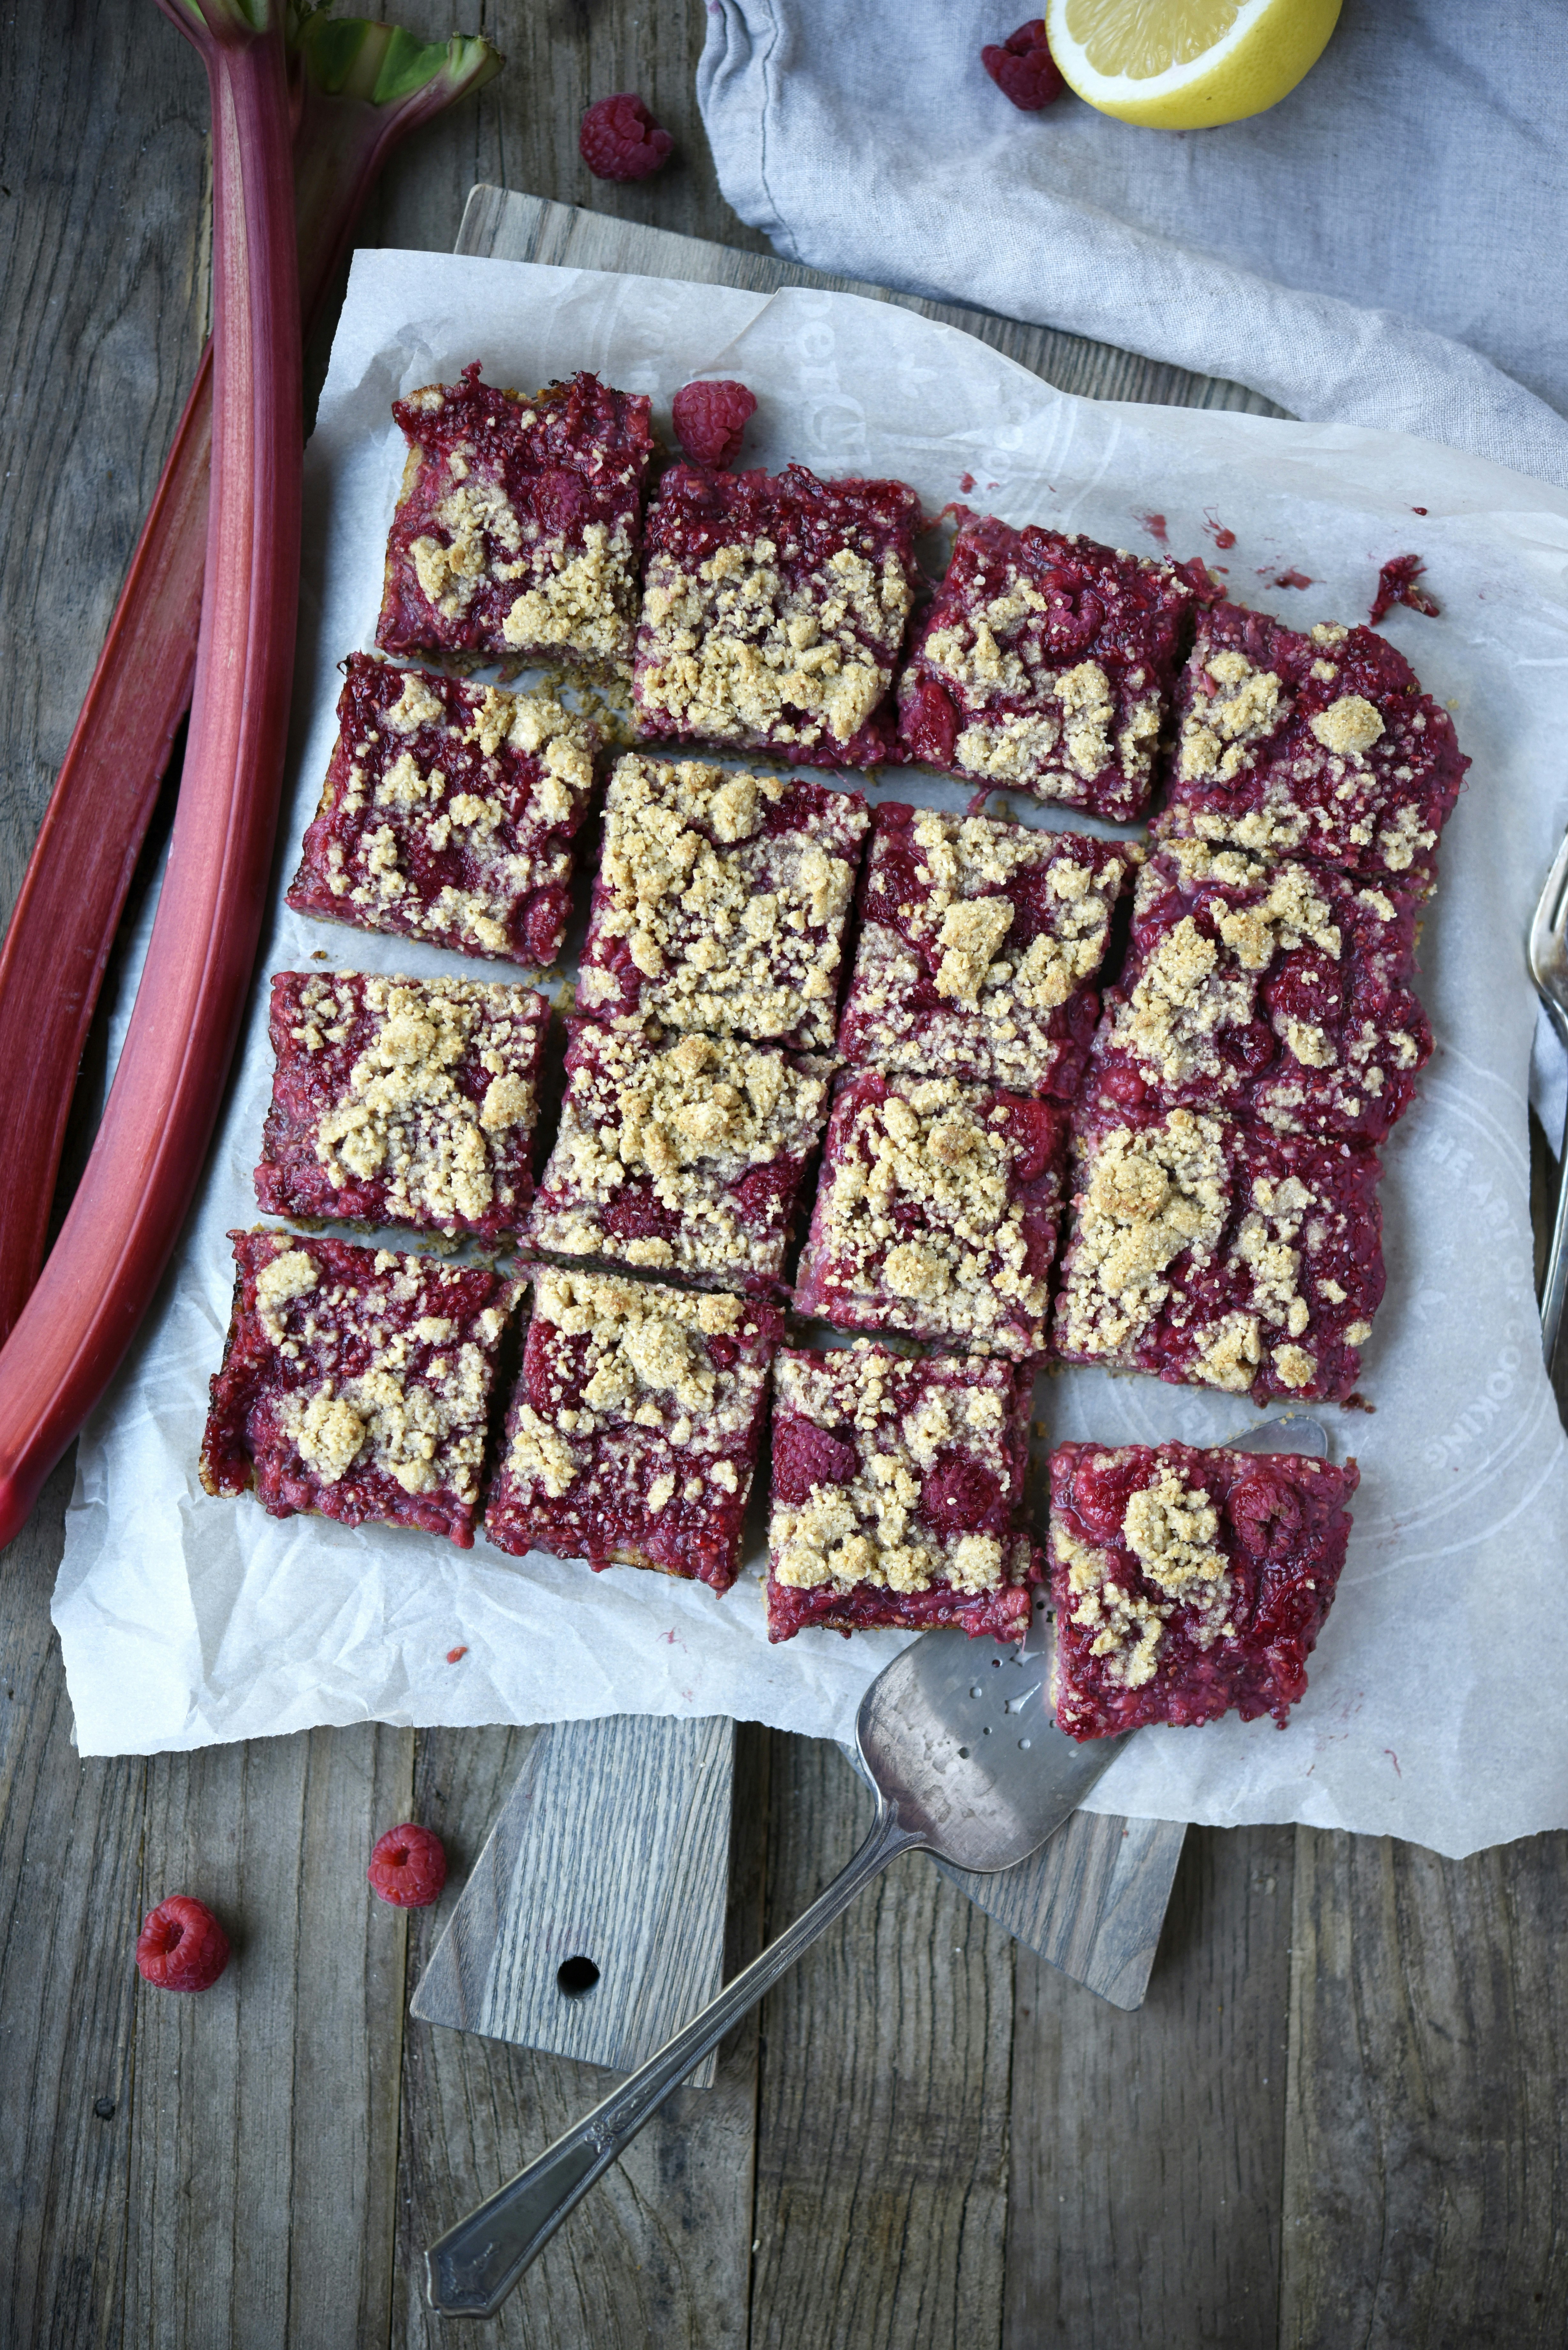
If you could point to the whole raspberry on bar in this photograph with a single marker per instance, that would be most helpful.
(408, 1866)
(1023, 68)
(181, 1946)
(619, 139)
(710, 419)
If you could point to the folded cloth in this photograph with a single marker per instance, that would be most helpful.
(1380, 248)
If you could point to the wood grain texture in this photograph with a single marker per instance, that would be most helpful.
(882, 2109)
(659, 2253)
(612, 1846)
(1147, 2150)
(1093, 1902)
(264, 2136)
(1426, 2190)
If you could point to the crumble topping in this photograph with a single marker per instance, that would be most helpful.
(740, 932)
(403, 1119)
(870, 1529)
(737, 651)
(1349, 726)
(920, 1217)
(688, 1120)
(1217, 735)
(578, 602)
(1152, 1193)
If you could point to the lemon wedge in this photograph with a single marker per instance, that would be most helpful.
(1184, 64)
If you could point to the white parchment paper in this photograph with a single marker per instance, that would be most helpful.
(1435, 1707)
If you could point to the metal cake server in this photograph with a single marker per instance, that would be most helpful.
(1549, 970)
(958, 1744)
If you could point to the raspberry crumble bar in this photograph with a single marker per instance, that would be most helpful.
(897, 1491)
(517, 531)
(449, 814)
(1272, 992)
(402, 1101)
(721, 900)
(632, 1434)
(682, 1153)
(1045, 664)
(774, 609)
(356, 1383)
(978, 940)
(1221, 1255)
(1188, 1584)
(1321, 745)
(937, 1213)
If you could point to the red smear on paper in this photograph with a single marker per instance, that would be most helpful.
(452, 1655)
(1217, 530)
(1155, 525)
(1293, 579)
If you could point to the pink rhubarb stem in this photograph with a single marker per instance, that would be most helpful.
(142, 1172)
(360, 89)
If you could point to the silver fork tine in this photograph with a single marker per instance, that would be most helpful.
(1549, 970)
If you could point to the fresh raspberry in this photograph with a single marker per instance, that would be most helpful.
(710, 419)
(408, 1866)
(181, 1946)
(1023, 68)
(619, 139)
(805, 1455)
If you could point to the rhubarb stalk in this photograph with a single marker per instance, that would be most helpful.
(358, 89)
(123, 1223)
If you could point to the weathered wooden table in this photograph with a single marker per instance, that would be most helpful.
(1336, 2119)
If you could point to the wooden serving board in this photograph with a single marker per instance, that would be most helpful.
(612, 1849)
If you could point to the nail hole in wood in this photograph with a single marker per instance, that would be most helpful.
(575, 1976)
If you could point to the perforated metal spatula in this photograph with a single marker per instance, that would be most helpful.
(967, 1763)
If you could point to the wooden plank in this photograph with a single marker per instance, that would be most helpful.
(659, 2252)
(510, 226)
(1092, 1903)
(1426, 2194)
(1147, 2151)
(610, 1851)
(882, 2107)
(264, 2136)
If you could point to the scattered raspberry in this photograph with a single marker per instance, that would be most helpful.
(181, 1946)
(805, 1455)
(455, 1656)
(710, 419)
(619, 139)
(1023, 68)
(408, 1866)
(1396, 584)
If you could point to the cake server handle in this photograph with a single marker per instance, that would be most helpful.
(472, 2269)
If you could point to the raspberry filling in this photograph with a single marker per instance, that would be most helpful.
(1276, 993)
(1189, 1583)
(632, 1432)
(773, 612)
(449, 813)
(517, 531)
(1321, 745)
(898, 1494)
(1046, 664)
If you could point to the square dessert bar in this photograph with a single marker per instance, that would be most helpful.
(681, 1153)
(979, 941)
(774, 609)
(1188, 1584)
(1272, 992)
(936, 1213)
(356, 1383)
(1321, 745)
(402, 1101)
(517, 533)
(632, 1433)
(1045, 665)
(897, 1492)
(449, 813)
(1221, 1255)
(721, 900)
